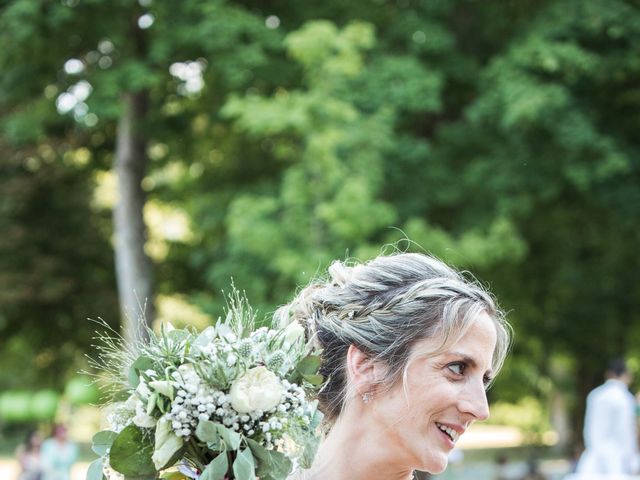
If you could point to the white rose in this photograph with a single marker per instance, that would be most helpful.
(258, 389)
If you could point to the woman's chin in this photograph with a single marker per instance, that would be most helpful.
(435, 466)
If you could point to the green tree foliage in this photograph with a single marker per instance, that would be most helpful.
(327, 199)
(500, 136)
(552, 127)
(55, 266)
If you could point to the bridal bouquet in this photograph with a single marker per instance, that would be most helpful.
(231, 402)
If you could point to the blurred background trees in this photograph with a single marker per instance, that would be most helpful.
(272, 137)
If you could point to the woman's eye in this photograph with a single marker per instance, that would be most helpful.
(457, 368)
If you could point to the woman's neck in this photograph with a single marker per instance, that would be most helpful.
(355, 450)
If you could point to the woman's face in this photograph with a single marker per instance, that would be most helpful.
(442, 396)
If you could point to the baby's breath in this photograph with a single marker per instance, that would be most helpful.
(182, 378)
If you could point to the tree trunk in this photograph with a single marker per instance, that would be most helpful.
(134, 269)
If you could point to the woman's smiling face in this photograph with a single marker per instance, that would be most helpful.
(443, 394)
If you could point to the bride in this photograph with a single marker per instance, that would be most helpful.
(409, 349)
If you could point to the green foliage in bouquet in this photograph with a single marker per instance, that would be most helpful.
(230, 402)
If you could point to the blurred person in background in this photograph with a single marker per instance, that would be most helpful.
(610, 430)
(29, 458)
(533, 471)
(501, 468)
(58, 455)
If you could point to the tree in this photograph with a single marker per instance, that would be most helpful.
(107, 67)
(55, 265)
(547, 142)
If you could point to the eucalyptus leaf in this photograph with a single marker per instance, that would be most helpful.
(102, 441)
(230, 438)
(141, 364)
(95, 470)
(316, 420)
(131, 453)
(214, 433)
(178, 335)
(217, 469)
(309, 451)
(272, 464)
(244, 466)
(207, 432)
(134, 378)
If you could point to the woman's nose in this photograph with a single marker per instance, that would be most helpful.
(475, 403)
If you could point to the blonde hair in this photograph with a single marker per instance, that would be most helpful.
(384, 307)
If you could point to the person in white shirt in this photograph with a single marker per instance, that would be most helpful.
(610, 429)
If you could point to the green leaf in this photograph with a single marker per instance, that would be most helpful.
(272, 464)
(310, 448)
(102, 441)
(131, 453)
(141, 364)
(207, 432)
(214, 433)
(217, 469)
(95, 470)
(134, 378)
(178, 335)
(172, 476)
(244, 466)
(309, 365)
(314, 380)
(230, 438)
(316, 420)
(309, 451)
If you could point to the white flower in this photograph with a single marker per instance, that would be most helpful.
(188, 372)
(131, 402)
(231, 360)
(258, 389)
(166, 445)
(142, 419)
(163, 387)
(142, 390)
(293, 333)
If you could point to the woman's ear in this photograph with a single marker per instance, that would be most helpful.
(364, 372)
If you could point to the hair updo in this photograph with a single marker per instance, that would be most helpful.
(384, 307)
